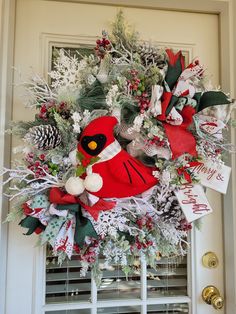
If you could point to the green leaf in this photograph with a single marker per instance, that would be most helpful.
(83, 228)
(173, 73)
(80, 170)
(80, 156)
(93, 160)
(172, 103)
(31, 223)
(212, 98)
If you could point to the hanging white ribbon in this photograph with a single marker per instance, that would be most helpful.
(155, 103)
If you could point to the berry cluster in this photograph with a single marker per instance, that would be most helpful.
(145, 222)
(185, 226)
(142, 245)
(136, 85)
(37, 164)
(103, 45)
(49, 108)
(144, 102)
(157, 141)
(89, 255)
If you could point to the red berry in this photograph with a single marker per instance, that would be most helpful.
(42, 157)
(37, 163)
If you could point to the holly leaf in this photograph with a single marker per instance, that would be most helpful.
(80, 156)
(80, 170)
(93, 160)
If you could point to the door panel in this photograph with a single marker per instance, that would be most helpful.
(39, 26)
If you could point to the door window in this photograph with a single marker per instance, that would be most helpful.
(160, 291)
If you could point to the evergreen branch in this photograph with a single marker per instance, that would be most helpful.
(66, 132)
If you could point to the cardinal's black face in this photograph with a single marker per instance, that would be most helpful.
(93, 145)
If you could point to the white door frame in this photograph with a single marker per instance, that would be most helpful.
(7, 23)
(226, 11)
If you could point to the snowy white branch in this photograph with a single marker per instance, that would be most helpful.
(31, 184)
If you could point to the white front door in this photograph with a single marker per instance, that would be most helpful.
(41, 25)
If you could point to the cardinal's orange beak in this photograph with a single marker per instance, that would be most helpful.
(92, 145)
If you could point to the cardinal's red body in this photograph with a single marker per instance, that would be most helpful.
(123, 175)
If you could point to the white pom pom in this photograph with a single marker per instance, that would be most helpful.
(74, 186)
(73, 157)
(93, 182)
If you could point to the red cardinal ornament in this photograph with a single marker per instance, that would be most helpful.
(122, 175)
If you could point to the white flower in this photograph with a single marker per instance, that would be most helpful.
(138, 121)
(112, 95)
(156, 174)
(86, 117)
(76, 116)
(76, 128)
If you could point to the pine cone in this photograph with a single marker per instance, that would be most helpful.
(169, 209)
(43, 137)
(151, 55)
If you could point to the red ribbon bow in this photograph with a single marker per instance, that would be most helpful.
(183, 170)
(180, 139)
(57, 196)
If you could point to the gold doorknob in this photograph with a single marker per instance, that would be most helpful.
(211, 296)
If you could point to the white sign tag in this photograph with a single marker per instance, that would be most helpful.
(193, 201)
(213, 176)
(211, 125)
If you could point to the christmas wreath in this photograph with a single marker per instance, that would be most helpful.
(115, 159)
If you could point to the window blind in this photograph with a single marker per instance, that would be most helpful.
(64, 285)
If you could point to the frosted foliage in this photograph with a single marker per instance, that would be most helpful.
(71, 73)
(66, 71)
(109, 223)
(115, 253)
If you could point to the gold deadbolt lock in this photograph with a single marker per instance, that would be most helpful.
(210, 260)
(211, 296)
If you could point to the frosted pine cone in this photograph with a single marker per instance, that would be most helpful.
(168, 208)
(43, 137)
(151, 55)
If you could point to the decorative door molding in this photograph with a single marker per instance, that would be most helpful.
(227, 16)
(7, 18)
